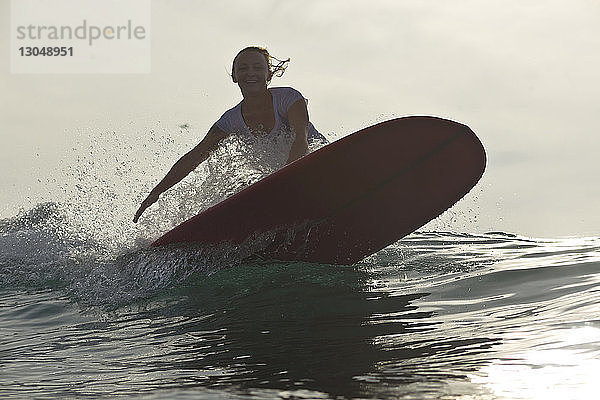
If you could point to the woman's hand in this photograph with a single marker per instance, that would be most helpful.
(299, 149)
(151, 199)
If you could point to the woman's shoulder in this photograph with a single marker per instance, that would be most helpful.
(283, 90)
(285, 97)
(233, 109)
(230, 120)
(233, 112)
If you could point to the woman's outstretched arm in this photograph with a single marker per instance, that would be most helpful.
(183, 167)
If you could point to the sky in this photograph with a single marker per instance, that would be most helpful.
(525, 76)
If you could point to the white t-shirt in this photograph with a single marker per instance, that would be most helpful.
(283, 98)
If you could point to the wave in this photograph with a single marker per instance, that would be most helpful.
(437, 312)
(48, 248)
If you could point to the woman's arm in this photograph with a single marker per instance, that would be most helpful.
(183, 167)
(298, 118)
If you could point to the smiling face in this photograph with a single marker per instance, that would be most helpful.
(251, 72)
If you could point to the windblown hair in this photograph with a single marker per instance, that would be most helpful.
(276, 66)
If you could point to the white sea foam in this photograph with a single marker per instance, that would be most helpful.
(85, 242)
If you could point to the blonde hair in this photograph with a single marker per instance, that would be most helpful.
(276, 68)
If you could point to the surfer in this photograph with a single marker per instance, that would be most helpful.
(262, 111)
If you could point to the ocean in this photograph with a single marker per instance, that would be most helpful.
(88, 310)
(435, 315)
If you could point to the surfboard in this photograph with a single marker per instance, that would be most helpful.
(352, 197)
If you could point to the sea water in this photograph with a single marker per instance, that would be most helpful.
(87, 310)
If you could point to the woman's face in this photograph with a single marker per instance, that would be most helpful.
(251, 72)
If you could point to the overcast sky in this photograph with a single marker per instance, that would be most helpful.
(524, 75)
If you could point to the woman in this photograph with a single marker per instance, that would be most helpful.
(263, 111)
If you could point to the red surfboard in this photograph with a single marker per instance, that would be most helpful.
(350, 198)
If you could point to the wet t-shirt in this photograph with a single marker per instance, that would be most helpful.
(283, 98)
